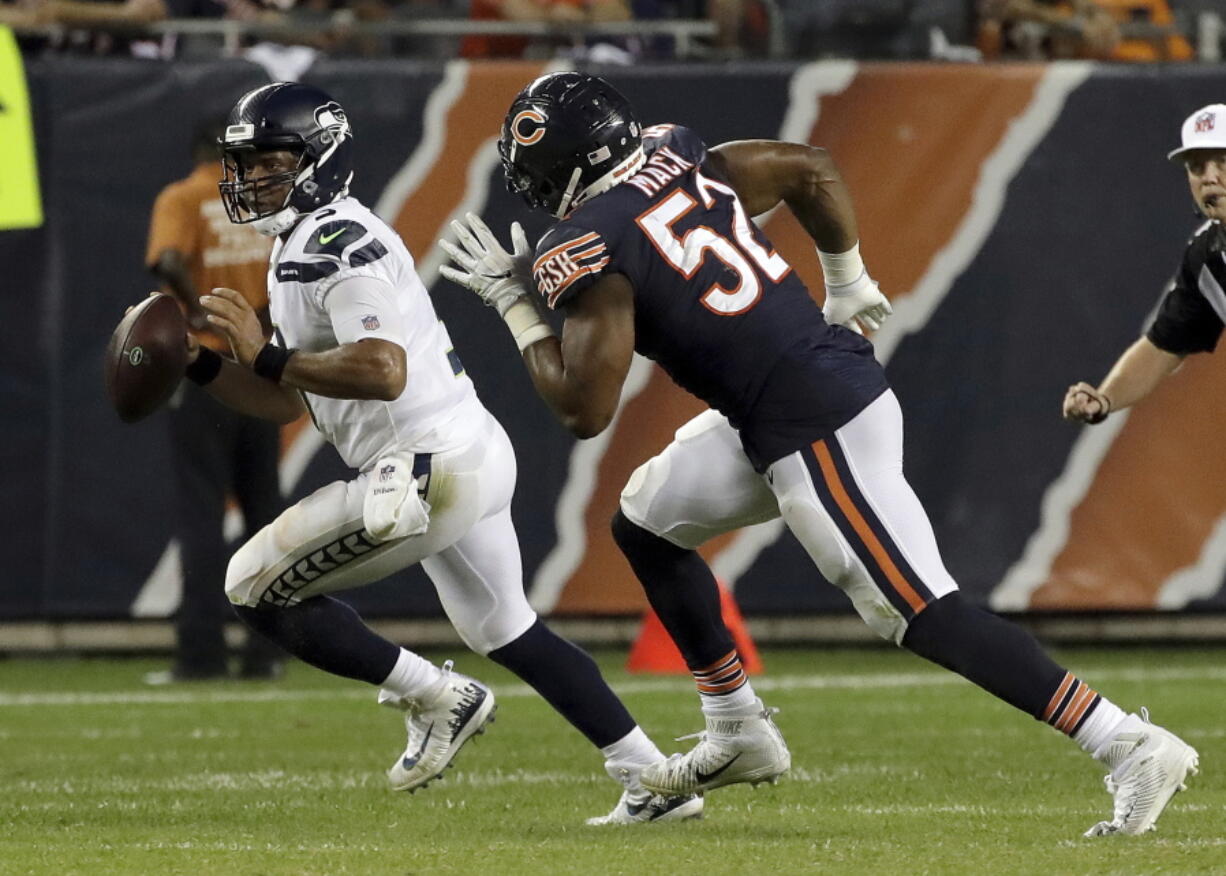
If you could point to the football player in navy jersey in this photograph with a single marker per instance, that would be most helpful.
(655, 252)
(1193, 309)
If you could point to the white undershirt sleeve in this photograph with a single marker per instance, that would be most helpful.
(362, 307)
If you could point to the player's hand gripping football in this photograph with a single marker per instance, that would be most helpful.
(859, 300)
(231, 315)
(1085, 404)
(501, 278)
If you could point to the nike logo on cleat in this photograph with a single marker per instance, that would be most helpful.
(706, 777)
(409, 762)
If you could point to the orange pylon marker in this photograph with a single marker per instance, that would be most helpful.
(655, 652)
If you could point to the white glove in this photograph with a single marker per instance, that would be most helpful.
(502, 279)
(497, 276)
(858, 300)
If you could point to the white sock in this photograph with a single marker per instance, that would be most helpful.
(736, 702)
(413, 677)
(625, 757)
(1102, 724)
(631, 753)
(635, 747)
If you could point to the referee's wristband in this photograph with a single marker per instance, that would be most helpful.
(270, 362)
(205, 369)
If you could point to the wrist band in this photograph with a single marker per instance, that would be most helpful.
(841, 268)
(526, 323)
(205, 368)
(1104, 408)
(270, 362)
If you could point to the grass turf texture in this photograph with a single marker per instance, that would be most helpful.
(897, 768)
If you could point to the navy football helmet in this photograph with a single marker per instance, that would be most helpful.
(568, 137)
(286, 116)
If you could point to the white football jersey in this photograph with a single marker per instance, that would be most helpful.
(438, 409)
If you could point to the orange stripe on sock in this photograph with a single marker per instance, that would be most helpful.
(1077, 708)
(1062, 714)
(707, 670)
(845, 503)
(1079, 697)
(1059, 695)
(1075, 719)
(724, 687)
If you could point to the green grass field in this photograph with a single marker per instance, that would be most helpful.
(897, 768)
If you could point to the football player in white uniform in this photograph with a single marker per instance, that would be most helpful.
(359, 346)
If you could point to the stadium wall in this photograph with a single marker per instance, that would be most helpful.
(1022, 218)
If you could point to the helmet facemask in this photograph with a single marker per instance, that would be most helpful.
(285, 117)
(243, 195)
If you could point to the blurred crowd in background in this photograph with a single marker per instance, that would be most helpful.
(603, 30)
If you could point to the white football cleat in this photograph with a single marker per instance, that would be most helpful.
(637, 805)
(1149, 764)
(746, 748)
(438, 727)
(647, 807)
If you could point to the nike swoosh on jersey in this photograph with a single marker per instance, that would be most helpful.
(325, 239)
(706, 777)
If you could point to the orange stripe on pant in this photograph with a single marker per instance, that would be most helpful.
(860, 525)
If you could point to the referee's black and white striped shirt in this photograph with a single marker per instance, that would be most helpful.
(1192, 313)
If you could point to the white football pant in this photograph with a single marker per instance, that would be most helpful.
(845, 499)
(469, 550)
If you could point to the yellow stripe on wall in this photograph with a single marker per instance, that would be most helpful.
(20, 202)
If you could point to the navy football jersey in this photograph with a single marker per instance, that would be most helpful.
(1193, 309)
(721, 312)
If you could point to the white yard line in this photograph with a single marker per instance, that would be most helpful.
(862, 681)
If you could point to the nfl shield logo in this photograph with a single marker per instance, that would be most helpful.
(386, 472)
(1205, 122)
(370, 323)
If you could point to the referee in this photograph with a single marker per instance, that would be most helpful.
(1193, 309)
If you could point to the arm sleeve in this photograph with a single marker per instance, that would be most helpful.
(172, 226)
(362, 307)
(1185, 321)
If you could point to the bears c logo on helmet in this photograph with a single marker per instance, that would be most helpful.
(535, 129)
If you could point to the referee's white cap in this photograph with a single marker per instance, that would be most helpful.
(1204, 129)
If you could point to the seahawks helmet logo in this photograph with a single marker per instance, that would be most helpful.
(332, 119)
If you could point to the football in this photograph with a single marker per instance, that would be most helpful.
(146, 357)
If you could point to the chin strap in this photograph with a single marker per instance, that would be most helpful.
(572, 199)
(567, 196)
(281, 221)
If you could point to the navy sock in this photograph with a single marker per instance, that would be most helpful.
(682, 591)
(569, 681)
(999, 656)
(327, 634)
